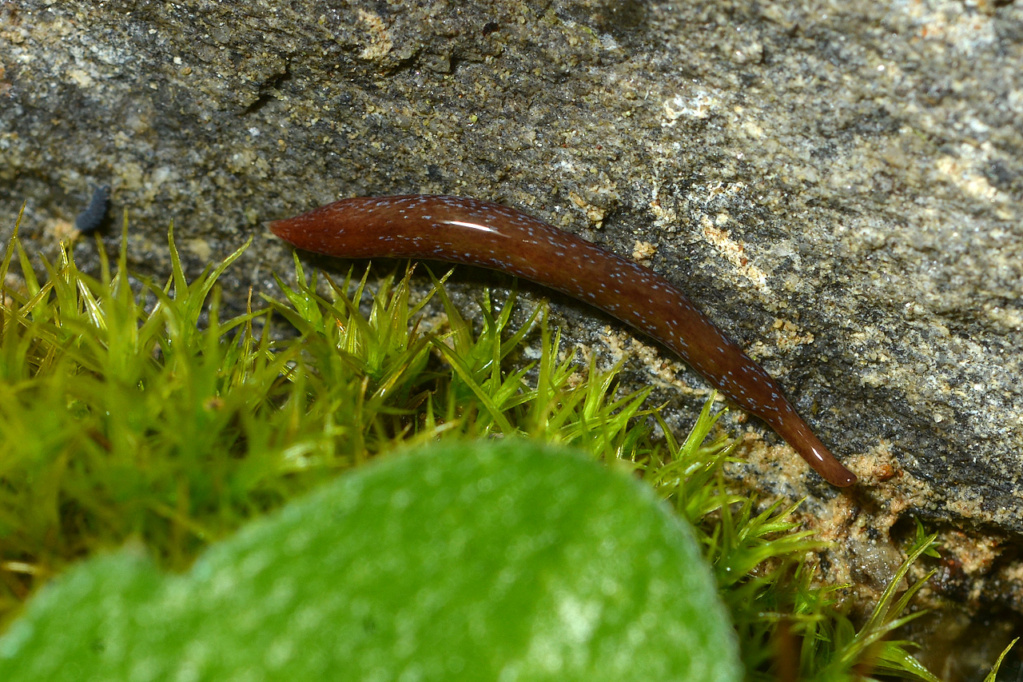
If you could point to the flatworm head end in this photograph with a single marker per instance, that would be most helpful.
(350, 228)
(299, 230)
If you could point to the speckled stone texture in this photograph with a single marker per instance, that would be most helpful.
(838, 184)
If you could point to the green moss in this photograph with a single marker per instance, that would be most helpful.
(135, 414)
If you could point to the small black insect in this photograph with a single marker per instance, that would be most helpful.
(92, 217)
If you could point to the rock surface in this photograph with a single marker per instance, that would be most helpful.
(838, 184)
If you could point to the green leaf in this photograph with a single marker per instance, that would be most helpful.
(468, 561)
(998, 664)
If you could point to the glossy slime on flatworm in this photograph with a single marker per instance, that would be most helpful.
(488, 235)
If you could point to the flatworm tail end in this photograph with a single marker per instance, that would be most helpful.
(796, 432)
